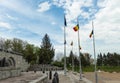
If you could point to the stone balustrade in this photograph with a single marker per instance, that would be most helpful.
(45, 67)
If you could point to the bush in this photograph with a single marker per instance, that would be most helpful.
(88, 69)
(110, 68)
(57, 63)
(102, 68)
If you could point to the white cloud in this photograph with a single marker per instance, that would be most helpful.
(53, 23)
(107, 27)
(73, 10)
(20, 7)
(88, 3)
(102, 3)
(43, 7)
(5, 25)
(11, 17)
(73, 7)
(106, 22)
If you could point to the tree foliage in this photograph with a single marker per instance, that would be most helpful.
(31, 53)
(100, 60)
(109, 59)
(85, 59)
(17, 45)
(71, 56)
(46, 52)
(7, 44)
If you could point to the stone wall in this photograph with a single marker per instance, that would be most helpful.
(18, 60)
(11, 64)
(6, 72)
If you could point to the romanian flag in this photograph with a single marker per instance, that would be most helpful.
(91, 34)
(71, 43)
(76, 28)
(65, 23)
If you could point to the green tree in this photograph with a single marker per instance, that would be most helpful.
(76, 61)
(70, 58)
(111, 59)
(85, 59)
(2, 41)
(46, 52)
(36, 52)
(29, 54)
(17, 45)
(100, 60)
(104, 60)
(7, 44)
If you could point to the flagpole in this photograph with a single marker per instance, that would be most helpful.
(79, 52)
(96, 78)
(64, 46)
(72, 60)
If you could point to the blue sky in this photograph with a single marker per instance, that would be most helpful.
(30, 20)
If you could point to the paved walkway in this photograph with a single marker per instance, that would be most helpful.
(103, 77)
(25, 77)
(69, 78)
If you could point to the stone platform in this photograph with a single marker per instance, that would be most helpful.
(26, 77)
(34, 77)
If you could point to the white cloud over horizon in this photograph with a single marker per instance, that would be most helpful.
(47, 17)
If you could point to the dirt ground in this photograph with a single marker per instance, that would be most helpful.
(103, 77)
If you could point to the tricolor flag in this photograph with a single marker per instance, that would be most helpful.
(76, 28)
(91, 34)
(65, 23)
(71, 43)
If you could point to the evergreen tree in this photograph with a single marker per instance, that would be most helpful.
(99, 60)
(46, 53)
(71, 57)
(105, 60)
(76, 61)
(85, 59)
